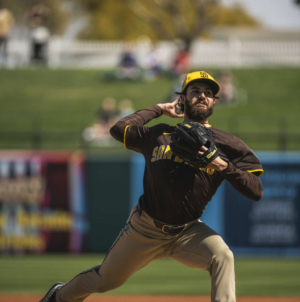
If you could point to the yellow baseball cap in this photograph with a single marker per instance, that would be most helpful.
(201, 76)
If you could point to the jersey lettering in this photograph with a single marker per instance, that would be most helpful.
(168, 152)
(164, 152)
(160, 152)
(154, 154)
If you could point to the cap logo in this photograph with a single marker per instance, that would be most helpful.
(203, 74)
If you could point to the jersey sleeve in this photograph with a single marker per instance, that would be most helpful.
(136, 137)
(131, 130)
(243, 157)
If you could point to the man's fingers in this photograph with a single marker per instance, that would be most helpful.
(176, 100)
(203, 149)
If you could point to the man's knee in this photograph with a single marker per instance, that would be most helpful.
(224, 255)
(223, 259)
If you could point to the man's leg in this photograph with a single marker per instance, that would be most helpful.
(201, 247)
(130, 252)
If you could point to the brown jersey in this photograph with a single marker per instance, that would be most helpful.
(174, 191)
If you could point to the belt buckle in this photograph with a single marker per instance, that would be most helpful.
(164, 230)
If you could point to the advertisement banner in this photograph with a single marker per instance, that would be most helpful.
(273, 222)
(42, 202)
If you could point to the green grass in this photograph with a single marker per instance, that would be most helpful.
(67, 100)
(254, 277)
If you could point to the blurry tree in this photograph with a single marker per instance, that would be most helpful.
(56, 21)
(159, 19)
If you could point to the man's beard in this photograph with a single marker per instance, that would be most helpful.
(197, 114)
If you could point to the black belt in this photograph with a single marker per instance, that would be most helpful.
(169, 229)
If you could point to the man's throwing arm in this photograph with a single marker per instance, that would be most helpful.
(130, 131)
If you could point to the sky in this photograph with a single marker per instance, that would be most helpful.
(272, 14)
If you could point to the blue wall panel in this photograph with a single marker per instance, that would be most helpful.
(271, 226)
(137, 175)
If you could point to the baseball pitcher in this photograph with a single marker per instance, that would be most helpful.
(185, 165)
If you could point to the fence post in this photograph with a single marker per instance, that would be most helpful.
(235, 50)
(282, 134)
(55, 47)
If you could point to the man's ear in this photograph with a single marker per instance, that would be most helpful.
(182, 99)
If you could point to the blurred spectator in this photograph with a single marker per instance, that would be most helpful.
(6, 24)
(125, 108)
(153, 64)
(227, 89)
(106, 117)
(181, 63)
(230, 94)
(128, 67)
(36, 19)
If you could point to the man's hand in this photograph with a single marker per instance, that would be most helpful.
(217, 164)
(168, 109)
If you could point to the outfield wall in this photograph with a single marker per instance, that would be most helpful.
(269, 227)
(72, 202)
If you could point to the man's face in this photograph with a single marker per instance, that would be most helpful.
(199, 101)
